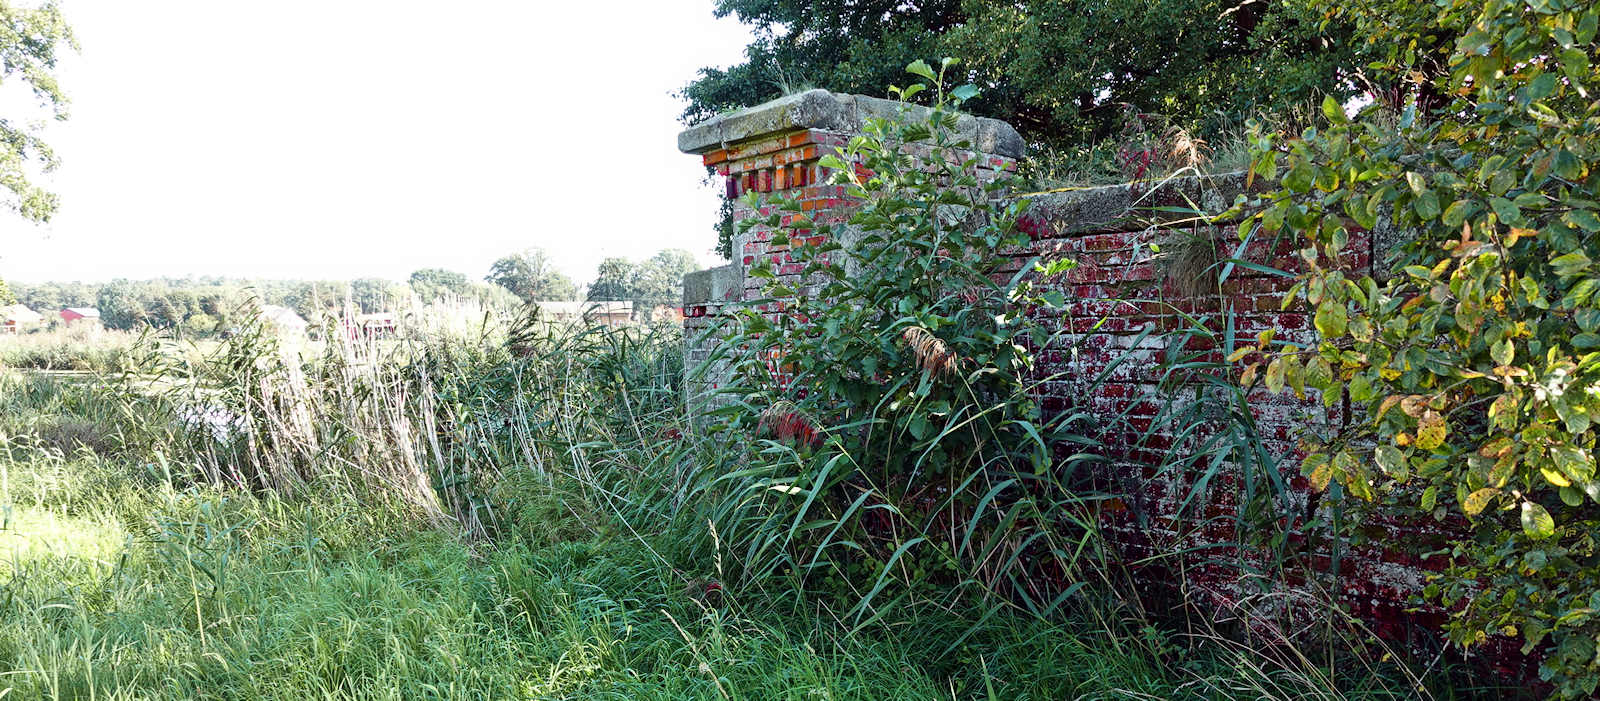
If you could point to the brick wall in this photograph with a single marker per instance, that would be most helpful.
(1130, 308)
(1137, 308)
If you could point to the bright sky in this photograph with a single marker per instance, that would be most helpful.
(350, 138)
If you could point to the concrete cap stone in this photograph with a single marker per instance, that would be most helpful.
(713, 285)
(837, 112)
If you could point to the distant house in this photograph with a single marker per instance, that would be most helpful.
(666, 312)
(604, 313)
(80, 314)
(17, 318)
(364, 326)
(284, 319)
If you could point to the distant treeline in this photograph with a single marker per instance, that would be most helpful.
(202, 304)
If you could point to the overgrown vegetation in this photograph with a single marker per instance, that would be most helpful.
(1475, 360)
(516, 510)
(893, 382)
(510, 507)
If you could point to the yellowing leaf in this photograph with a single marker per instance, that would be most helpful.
(1239, 354)
(1503, 468)
(1555, 477)
(1503, 412)
(1360, 329)
(1388, 403)
(1477, 501)
(1495, 447)
(1275, 371)
(1331, 319)
(1431, 430)
(1295, 375)
(1318, 470)
(1414, 405)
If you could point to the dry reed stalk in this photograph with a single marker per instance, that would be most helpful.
(932, 354)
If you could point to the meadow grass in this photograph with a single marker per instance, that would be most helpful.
(118, 586)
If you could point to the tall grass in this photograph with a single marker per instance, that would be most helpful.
(73, 347)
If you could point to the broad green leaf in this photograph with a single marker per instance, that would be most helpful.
(1299, 177)
(1319, 373)
(1571, 496)
(834, 162)
(1330, 319)
(1583, 219)
(1502, 352)
(1573, 462)
(1457, 212)
(1426, 205)
(965, 92)
(1334, 111)
(920, 67)
(1569, 264)
(1392, 462)
(1540, 87)
(1536, 521)
(1506, 210)
(919, 426)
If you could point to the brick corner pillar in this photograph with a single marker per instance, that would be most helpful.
(774, 148)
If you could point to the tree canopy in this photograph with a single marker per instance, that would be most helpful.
(31, 40)
(654, 282)
(1057, 69)
(532, 276)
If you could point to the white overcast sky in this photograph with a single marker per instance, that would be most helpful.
(350, 138)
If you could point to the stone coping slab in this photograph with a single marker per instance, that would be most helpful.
(714, 285)
(836, 112)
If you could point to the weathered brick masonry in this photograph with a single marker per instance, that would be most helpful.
(1120, 289)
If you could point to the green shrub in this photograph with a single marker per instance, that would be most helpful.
(1476, 360)
(885, 405)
